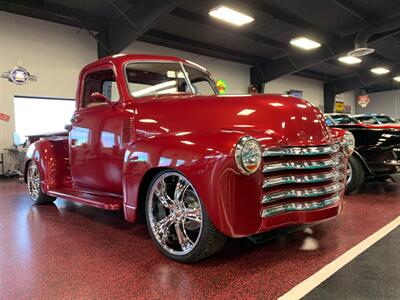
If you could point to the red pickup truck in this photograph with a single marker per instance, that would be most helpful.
(150, 135)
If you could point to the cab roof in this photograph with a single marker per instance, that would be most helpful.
(120, 59)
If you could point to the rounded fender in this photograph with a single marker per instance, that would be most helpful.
(51, 157)
(206, 159)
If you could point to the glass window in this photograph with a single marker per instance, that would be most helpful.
(344, 119)
(102, 82)
(367, 120)
(201, 82)
(385, 119)
(159, 78)
(37, 115)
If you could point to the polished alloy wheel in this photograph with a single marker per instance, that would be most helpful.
(174, 213)
(33, 180)
(349, 173)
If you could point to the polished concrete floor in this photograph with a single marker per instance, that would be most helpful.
(71, 251)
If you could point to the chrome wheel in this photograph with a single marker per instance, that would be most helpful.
(33, 180)
(174, 213)
(349, 173)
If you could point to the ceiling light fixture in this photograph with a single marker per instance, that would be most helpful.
(397, 78)
(304, 43)
(380, 70)
(349, 60)
(231, 16)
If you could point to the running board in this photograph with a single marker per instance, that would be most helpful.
(76, 195)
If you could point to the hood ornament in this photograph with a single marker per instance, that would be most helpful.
(18, 75)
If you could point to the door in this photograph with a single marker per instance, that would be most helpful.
(96, 154)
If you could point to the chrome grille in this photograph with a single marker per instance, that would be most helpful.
(301, 178)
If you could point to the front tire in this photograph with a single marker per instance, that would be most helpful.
(177, 220)
(355, 175)
(34, 189)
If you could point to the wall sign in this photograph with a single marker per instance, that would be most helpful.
(19, 75)
(363, 100)
(221, 86)
(4, 117)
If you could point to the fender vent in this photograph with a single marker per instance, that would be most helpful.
(127, 128)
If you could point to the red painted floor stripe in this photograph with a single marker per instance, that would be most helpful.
(73, 251)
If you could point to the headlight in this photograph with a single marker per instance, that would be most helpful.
(248, 155)
(348, 143)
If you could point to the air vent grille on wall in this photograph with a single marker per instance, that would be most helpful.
(127, 128)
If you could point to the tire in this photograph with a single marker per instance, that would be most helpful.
(178, 221)
(34, 188)
(356, 175)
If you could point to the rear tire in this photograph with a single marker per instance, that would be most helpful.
(178, 221)
(356, 175)
(34, 186)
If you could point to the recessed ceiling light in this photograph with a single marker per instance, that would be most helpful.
(305, 43)
(380, 70)
(231, 16)
(350, 60)
(397, 78)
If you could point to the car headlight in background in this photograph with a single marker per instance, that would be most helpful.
(348, 143)
(248, 155)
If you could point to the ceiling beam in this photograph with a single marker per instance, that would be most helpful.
(139, 17)
(332, 48)
(50, 12)
(355, 10)
(206, 21)
(190, 45)
(363, 79)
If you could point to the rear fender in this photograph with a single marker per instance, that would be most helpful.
(51, 156)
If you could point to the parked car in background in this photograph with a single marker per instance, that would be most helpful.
(377, 150)
(375, 119)
(151, 135)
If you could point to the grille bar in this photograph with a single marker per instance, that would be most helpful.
(323, 150)
(304, 206)
(302, 193)
(303, 165)
(314, 178)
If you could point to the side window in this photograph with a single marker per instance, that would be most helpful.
(102, 82)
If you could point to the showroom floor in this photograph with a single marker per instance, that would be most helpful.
(72, 251)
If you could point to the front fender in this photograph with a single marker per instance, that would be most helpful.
(51, 156)
(206, 159)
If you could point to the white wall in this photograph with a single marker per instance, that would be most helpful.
(313, 90)
(236, 76)
(54, 53)
(383, 102)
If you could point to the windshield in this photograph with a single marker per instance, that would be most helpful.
(163, 78)
(343, 119)
(367, 120)
(385, 119)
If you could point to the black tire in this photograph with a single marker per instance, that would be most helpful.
(210, 240)
(34, 189)
(357, 177)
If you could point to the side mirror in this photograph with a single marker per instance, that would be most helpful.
(99, 97)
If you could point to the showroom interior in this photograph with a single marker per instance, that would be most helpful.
(155, 149)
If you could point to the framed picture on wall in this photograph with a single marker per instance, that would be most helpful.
(296, 93)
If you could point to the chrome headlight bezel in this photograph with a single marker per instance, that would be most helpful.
(348, 143)
(247, 143)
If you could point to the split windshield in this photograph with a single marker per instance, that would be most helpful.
(344, 119)
(159, 78)
(385, 119)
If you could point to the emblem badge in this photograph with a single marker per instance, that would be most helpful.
(19, 75)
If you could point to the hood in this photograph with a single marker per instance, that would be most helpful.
(291, 121)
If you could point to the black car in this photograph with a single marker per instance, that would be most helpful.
(377, 151)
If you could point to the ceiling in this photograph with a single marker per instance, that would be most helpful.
(263, 43)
